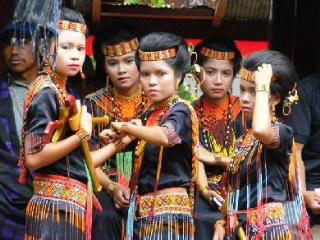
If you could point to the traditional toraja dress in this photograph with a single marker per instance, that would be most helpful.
(264, 194)
(61, 207)
(13, 196)
(107, 102)
(164, 177)
(219, 127)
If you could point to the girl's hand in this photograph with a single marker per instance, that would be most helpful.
(263, 76)
(119, 127)
(107, 136)
(219, 232)
(86, 120)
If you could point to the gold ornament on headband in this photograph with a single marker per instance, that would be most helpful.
(72, 26)
(121, 49)
(291, 99)
(210, 53)
(246, 74)
(249, 75)
(159, 55)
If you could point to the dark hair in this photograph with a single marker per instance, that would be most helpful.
(159, 41)
(71, 15)
(222, 45)
(114, 35)
(282, 68)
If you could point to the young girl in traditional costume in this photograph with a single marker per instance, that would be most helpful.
(61, 207)
(122, 100)
(264, 195)
(217, 112)
(164, 171)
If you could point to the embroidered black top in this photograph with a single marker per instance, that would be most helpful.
(43, 109)
(177, 159)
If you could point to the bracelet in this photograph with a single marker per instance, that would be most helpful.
(262, 88)
(221, 222)
(110, 188)
(124, 127)
(203, 187)
(217, 157)
(83, 135)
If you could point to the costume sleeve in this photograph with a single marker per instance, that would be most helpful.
(43, 109)
(283, 137)
(92, 109)
(177, 125)
(301, 117)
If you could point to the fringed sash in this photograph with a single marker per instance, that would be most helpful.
(56, 195)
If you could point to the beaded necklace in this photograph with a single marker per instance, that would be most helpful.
(227, 132)
(116, 114)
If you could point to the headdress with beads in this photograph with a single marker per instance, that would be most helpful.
(158, 55)
(211, 53)
(121, 48)
(72, 26)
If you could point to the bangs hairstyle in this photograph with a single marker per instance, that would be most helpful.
(71, 15)
(283, 70)
(222, 45)
(159, 41)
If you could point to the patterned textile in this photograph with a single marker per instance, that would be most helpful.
(174, 203)
(171, 216)
(58, 209)
(59, 188)
(14, 197)
(272, 218)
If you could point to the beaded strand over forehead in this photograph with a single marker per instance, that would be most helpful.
(211, 53)
(121, 48)
(157, 55)
(72, 26)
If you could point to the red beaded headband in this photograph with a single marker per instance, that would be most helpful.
(72, 26)
(120, 49)
(210, 53)
(159, 55)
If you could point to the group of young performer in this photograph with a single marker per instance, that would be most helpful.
(221, 167)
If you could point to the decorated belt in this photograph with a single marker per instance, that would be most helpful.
(56, 187)
(164, 202)
(269, 215)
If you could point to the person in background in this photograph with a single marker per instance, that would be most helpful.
(21, 70)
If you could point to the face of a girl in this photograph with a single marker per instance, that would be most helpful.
(70, 52)
(122, 71)
(247, 97)
(158, 80)
(218, 78)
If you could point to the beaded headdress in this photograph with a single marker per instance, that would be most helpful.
(120, 49)
(211, 53)
(158, 55)
(72, 26)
